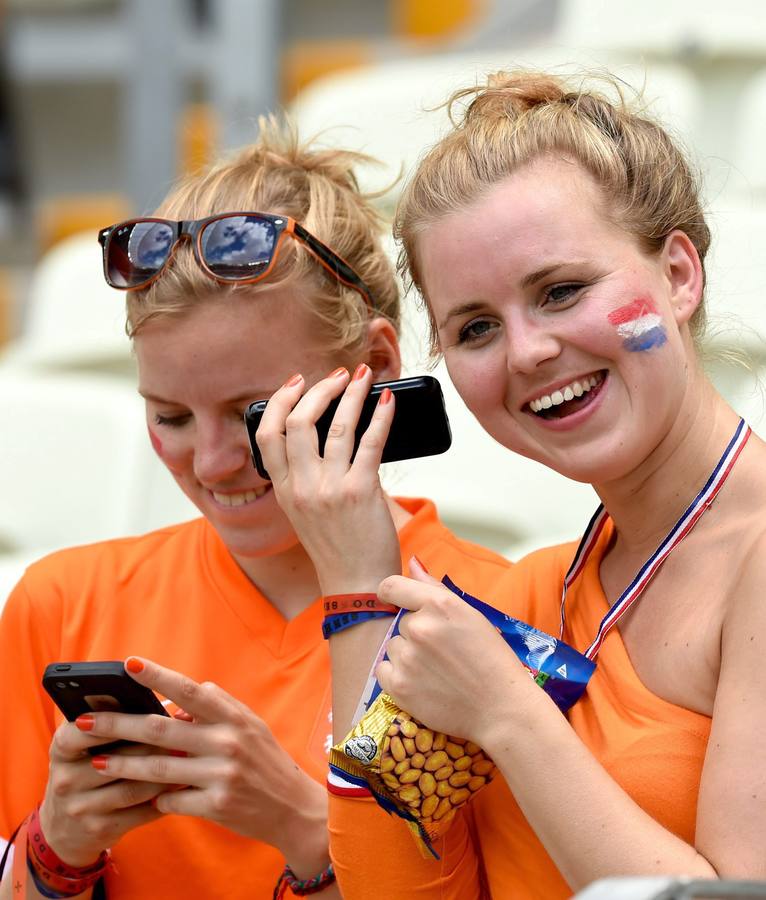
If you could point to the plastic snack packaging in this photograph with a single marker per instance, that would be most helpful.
(425, 776)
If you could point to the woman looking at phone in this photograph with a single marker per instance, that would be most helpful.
(284, 272)
(559, 242)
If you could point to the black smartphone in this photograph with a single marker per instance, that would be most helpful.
(84, 687)
(420, 426)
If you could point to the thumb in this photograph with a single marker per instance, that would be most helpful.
(418, 572)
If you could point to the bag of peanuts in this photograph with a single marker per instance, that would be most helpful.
(425, 776)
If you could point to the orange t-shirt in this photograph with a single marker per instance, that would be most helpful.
(177, 596)
(653, 750)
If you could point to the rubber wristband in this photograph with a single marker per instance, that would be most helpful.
(64, 887)
(42, 888)
(340, 622)
(340, 603)
(50, 861)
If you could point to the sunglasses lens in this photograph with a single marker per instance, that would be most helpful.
(238, 247)
(137, 251)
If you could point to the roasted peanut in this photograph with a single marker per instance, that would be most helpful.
(397, 749)
(460, 779)
(424, 740)
(426, 783)
(430, 773)
(437, 760)
(408, 729)
(410, 776)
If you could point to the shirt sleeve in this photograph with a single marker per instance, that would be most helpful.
(26, 715)
(375, 855)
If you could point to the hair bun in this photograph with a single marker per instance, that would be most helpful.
(510, 94)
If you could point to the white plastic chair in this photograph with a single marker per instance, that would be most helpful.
(681, 28)
(73, 319)
(76, 464)
(383, 109)
(735, 302)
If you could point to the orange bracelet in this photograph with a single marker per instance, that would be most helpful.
(343, 603)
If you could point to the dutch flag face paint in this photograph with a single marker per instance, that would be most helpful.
(639, 325)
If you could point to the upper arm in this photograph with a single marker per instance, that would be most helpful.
(731, 813)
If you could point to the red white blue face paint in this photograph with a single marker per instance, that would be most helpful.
(639, 325)
(161, 452)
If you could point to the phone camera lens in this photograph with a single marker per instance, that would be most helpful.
(74, 684)
(60, 684)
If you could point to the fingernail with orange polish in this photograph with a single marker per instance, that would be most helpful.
(181, 753)
(85, 722)
(361, 370)
(99, 762)
(293, 380)
(341, 370)
(385, 396)
(134, 665)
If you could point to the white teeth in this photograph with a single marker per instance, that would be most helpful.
(563, 395)
(239, 499)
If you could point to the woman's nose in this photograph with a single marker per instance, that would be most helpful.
(220, 451)
(531, 341)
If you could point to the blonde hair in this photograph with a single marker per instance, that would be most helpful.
(516, 117)
(317, 187)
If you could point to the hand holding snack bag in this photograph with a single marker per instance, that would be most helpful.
(425, 776)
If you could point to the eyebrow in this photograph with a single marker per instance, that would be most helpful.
(249, 397)
(526, 282)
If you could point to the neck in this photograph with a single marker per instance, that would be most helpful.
(288, 579)
(646, 503)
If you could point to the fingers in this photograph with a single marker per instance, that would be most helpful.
(410, 594)
(122, 794)
(70, 743)
(302, 438)
(373, 442)
(271, 435)
(158, 769)
(204, 702)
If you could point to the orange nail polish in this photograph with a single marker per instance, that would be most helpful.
(293, 380)
(85, 722)
(180, 753)
(385, 396)
(134, 665)
(99, 762)
(361, 370)
(341, 370)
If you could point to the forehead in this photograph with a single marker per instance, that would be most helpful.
(549, 208)
(229, 340)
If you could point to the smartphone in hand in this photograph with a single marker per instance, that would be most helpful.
(84, 687)
(420, 426)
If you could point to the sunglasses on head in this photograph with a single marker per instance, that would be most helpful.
(232, 248)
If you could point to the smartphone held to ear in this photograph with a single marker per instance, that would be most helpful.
(85, 687)
(420, 426)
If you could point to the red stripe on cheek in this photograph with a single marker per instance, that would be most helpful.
(156, 443)
(633, 310)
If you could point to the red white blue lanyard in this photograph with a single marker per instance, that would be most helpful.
(674, 537)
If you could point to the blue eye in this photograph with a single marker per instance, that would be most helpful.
(561, 293)
(475, 331)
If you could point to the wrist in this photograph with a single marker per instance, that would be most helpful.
(304, 843)
(72, 854)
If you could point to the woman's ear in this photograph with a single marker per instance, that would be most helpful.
(383, 353)
(683, 270)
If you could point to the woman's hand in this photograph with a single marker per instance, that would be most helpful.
(338, 508)
(448, 667)
(83, 813)
(231, 767)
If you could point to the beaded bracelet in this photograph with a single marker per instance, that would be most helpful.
(300, 888)
(340, 603)
(340, 622)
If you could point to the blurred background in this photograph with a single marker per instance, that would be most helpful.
(103, 103)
